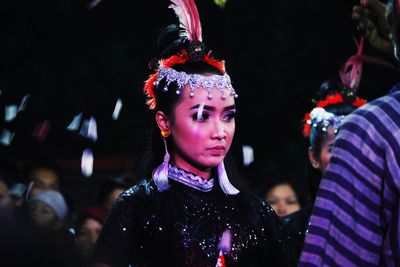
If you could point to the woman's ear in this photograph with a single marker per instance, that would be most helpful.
(162, 121)
(313, 160)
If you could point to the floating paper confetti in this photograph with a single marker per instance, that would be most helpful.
(117, 109)
(10, 112)
(6, 137)
(74, 125)
(87, 162)
(220, 3)
(41, 130)
(28, 190)
(23, 103)
(248, 155)
(93, 3)
(89, 129)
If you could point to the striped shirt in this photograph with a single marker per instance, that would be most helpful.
(355, 220)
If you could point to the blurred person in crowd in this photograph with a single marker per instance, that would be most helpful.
(48, 209)
(355, 220)
(178, 216)
(42, 175)
(109, 191)
(87, 230)
(11, 189)
(8, 174)
(282, 197)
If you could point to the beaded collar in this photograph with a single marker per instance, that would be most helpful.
(189, 179)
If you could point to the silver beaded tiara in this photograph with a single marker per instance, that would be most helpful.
(209, 83)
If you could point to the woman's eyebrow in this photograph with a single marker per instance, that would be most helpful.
(211, 108)
(230, 107)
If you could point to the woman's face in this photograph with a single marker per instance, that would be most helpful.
(283, 199)
(42, 214)
(326, 148)
(112, 197)
(89, 231)
(202, 129)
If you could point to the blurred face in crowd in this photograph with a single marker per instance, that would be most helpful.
(202, 130)
(283, 199)
(44, 179)
(43, 215)
(321, 163)
(5, 199)
(89, 231)
(112, 197)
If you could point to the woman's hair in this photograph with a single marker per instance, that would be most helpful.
(168, 43)
(317, 134)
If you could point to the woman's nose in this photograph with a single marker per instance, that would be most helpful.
(219, 130)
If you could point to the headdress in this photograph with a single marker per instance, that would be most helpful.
(350, 75)
(195, 51)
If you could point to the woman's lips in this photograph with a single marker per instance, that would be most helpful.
(217, 149)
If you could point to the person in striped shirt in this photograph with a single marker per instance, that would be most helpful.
(356, 216)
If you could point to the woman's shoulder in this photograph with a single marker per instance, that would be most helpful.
(258, 203)
(142, 189)
(135, 195)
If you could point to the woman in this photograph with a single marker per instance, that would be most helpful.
(282, 197)
(320, 127)
(178, 216)
(322, 124)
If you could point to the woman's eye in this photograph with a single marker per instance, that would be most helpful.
(271, 201)
(229, 116)
(201, 116)
(291, 202)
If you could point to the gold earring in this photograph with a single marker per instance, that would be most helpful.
(165, 133)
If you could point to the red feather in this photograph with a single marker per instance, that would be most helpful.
(351, 71)
(189, 19)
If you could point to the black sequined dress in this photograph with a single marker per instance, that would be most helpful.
(183, 225)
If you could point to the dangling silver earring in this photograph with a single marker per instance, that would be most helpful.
(224, 182)
(160, 174)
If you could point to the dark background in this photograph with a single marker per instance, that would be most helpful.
(70, 59)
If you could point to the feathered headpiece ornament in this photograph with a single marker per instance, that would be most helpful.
(190, 29)
(189, 19)
(350, 75)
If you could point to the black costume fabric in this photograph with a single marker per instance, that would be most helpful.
(182, 227)
(296, 224)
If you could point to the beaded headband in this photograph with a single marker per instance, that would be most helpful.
(170, 75)
(319, 117)
(220, 82)
(337, 98)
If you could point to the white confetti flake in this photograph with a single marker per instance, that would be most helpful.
(87, 163)
(248, 155)
(23, 103)
(74, 125)
(6, 137)
(117, 109)
(89, 129)
(10, 112)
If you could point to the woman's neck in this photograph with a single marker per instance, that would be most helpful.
(204, 173)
